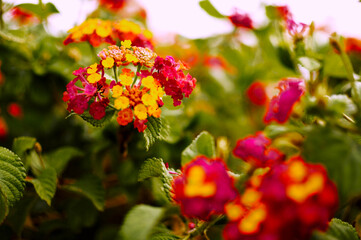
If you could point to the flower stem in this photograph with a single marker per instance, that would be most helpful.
(1, 15)
(115, 72)
(136, 75)
(348, 67)
(92, 49)
(202, 228)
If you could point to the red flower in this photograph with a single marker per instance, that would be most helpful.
(113, 5)
(204, 188)
(256, 151)
(352, 45)
(280, 106)
(289, 202)
(257, 94)
(22, 16)
(15, 110)
(284, 12)
(97, 109)
(3, 128)
(140, 124)
(241, 20)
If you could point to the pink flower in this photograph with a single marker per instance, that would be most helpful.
(204, 188)
(171, 76)
(296, 29)
(256, 151)
(280, 106)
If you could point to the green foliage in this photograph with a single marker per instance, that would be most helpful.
(45, 184)
(135, 227)
(310, 64)
(59, 158)
(23, 144)
(152, 167)
(156, 130)
(203, 144)
(12, 182)
(109, 113)
(90, 187)
(337, 230)
(207, 6)
(341, 156)
(41, 10)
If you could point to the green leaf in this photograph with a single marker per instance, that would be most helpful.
(139, 222)
(156, 129)
(109, 113)
(203, 144)
(12, 184)
(333, 66)
(340, 154)
(45, 184)
(59, 158)
(309, 63)
(4, 208)
(90, 187)
(152, 167)
(207, 6)
(23, 144)
(337, 230)
(164, 236)
(19, 212)
(42, 12)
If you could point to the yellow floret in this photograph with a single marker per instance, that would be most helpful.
(126, 43)
(125, 79)
(121, 102)
(94, 77)
(117, 91)
(140, 111)
(108, 62)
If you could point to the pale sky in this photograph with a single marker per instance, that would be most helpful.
(185, 17)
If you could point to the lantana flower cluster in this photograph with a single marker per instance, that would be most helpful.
(203, 188)
(287, 200)
(97, 31)
(135, 94)
(290, 201)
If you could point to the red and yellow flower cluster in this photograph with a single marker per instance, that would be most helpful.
(97, 31)
(204, 188)
(288, 202)
(135, 99)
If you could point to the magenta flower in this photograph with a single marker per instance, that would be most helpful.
(170, 75)
(97, 109)
(256, 151)
(241, 20)
(280, 106)
(204, 188)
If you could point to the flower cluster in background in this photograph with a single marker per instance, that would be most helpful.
(97, 31)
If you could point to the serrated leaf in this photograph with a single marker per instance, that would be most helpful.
(92, 188)
(59, 158)
(139, 222)
(152, 167)
(4, 208)
(12, 184)
(309, 63)
(203, 144)
(337, 230)
(109, 113)
(23, 144)
(340, 154)
(155, 130)
(45, 184)
(207, 6)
